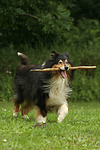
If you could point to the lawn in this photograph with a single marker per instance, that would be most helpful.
(79, 131)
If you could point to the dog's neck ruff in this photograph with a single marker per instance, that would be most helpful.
(59, 91)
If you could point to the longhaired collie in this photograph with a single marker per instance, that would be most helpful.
(43, 90)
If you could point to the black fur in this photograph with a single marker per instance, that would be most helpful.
(32, 86)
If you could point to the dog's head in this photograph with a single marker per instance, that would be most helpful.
(61, 61)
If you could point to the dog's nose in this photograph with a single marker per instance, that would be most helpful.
(66, 67)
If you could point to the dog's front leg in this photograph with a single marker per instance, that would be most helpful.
(62, 112)
(39, 116)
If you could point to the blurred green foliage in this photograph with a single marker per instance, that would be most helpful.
(31, 21)
(37, 27)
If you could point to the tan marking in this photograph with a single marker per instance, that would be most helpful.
(25, 109)
(52, 54)
(58, 66)
(69, 65)
(55, 66)
(16, 111)
(60, 61)
(56, 73)
(66, 61)
(16, 108)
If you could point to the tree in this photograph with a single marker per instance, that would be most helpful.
(85, 9)
(31, 21)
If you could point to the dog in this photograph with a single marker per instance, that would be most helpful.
(43, 90)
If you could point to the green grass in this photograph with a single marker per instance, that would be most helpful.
(79, 131)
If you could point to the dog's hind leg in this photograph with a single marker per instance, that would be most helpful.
(16, 110)
(17, 101)
(24, 110)
(25, 114)
(62, 112)
(16, 107)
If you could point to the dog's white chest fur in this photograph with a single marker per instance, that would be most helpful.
(58, 91)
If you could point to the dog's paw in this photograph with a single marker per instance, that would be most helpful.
(15, 114)
(60, 118)
(62, 112)
(25, 117)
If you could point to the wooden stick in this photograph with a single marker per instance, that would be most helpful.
(46, 69)
(57, 69)
(82, 67)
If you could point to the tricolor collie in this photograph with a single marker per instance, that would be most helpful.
(43, 89)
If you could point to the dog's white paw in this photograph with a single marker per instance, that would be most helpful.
(41, 119)
(61, 118)
(62, 112)
(25, 116)
(15, 114)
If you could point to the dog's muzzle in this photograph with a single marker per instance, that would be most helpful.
(64, 70)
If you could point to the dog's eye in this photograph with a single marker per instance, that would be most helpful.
(60, 61)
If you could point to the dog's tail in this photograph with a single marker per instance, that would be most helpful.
(24, 59)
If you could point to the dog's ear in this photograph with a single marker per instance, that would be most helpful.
(54, 54)
(67, 55)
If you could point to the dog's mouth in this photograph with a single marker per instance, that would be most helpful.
(64, 74)
(63, 71)
(64, 68)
